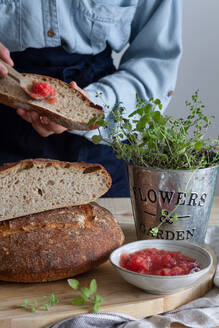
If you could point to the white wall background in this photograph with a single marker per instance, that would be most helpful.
(199, 67)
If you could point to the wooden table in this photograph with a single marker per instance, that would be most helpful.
(12, 316)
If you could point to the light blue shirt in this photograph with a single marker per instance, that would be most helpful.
(152, 28)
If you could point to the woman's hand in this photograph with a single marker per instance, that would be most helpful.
(42, 124)
(4, 55)
(74, 85)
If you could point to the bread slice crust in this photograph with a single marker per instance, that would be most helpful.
(37, 185)
(72, 109)
(57, 244)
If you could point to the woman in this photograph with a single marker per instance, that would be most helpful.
(73, 41)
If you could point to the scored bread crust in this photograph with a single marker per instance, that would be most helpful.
(36, 185)
(57, 244)
(12, 95)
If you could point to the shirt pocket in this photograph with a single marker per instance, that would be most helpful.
(10, 24)
(104, 23)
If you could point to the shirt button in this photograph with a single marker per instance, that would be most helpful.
(51, 33)
(170, 93)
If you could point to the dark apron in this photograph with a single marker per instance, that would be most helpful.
(20, 141)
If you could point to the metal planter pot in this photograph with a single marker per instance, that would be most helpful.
(190, 193)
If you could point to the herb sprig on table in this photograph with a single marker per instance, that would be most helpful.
(48, 301)
(87, 296)
(160, 141)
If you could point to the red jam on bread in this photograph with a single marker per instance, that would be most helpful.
(44, 90)
(159, 262)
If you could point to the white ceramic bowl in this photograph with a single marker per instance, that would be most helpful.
(163, 284)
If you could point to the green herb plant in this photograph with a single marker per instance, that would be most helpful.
(48, 301)
(87, 296)
(160, 141)
(154, 140)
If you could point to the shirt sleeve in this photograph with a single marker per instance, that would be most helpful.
(149, 66)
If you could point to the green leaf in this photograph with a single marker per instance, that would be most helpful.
(127, 126)
(100, 122)
(93, 287)
(92, 120)
(96, 139)
(163, 212)
(198, 145)
(86, 292)
(174, 218)
(138, 111)
(79, 300)
(25, 302)
(156, 116)
(73, 283)
(98, 299)
(142, 122)
(181, 151)
(154, 231)
(157, 101)
(46, 306)
(96, 307)
(53, 300)
(33, 308)
(35, 303)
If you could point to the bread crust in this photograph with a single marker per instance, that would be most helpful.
(43, 164)
(84, 166)
(57, 244)
(12, 101)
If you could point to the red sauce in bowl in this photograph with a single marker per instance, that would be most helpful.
(44, 90)
(159, 262)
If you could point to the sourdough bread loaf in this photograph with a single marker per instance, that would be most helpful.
(57, 244)
(72, 109)
(37, 185)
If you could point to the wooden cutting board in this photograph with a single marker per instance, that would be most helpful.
(118, 296)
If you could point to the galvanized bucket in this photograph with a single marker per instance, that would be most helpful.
(189, 194)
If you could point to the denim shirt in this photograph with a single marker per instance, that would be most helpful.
(152, 28)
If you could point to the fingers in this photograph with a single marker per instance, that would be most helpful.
(74, 85)
(42, 124)
(3, 70)
(5, 55)
(51, 126)
(25, 114)
(42, 129)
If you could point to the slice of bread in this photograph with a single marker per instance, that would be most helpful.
(36, 185)
(72, 109)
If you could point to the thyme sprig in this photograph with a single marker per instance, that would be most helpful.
(48, 301)
(87, 296)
